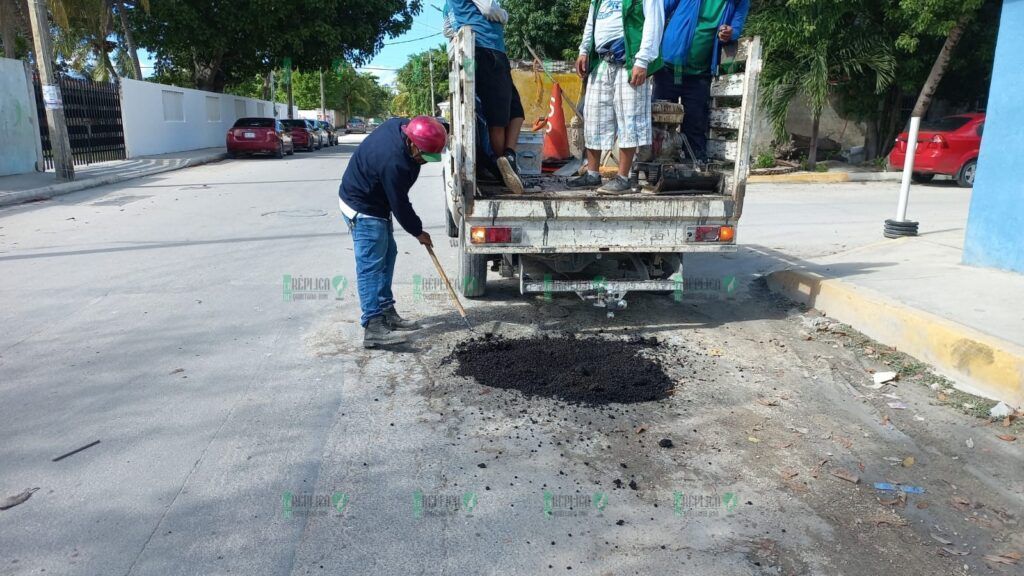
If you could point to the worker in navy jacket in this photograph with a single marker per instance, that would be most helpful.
(376, 187)
(695, 31)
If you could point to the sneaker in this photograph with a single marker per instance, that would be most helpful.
(616, 187)
(511, 156)
(587, 180)
(396, 323)
(377, 334)
(509, 174)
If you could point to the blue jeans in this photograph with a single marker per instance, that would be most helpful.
(374, 245)
(695, 92)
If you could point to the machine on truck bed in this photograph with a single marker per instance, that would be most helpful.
(557, 239)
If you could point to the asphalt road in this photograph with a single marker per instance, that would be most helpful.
(243, 430)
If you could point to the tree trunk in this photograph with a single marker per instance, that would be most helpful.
(8, 33)
(871, 139)
(812, 153)
(133, 52)
(924, 99)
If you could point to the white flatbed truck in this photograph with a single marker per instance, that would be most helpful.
(558, 239)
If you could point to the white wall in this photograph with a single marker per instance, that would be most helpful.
(19, 127)
(159, 119)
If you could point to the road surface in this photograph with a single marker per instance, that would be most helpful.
(243, 430)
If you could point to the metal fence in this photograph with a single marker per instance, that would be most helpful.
(93, 113)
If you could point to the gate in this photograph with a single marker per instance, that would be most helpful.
(93, 113)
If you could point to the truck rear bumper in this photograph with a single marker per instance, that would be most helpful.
(596, 224)
(590, 236)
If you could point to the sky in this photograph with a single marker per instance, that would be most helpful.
(397, 50)
(424, 34)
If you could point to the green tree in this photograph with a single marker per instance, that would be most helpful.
(222, 43)
(414, 80)
(554, 28)
(813, 46)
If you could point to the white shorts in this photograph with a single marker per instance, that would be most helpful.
(614, 108)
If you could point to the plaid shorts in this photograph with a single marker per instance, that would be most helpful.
(614, 108)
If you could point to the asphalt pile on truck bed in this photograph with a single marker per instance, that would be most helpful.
(588, 370)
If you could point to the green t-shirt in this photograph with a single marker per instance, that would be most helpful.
(698, 60)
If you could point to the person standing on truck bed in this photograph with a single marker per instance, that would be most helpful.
(502, 109)
(620, 48)
(690, 49)
(376, 185)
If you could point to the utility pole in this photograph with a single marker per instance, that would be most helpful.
(288, 78)
(323, 109)
(433, 105)
(63, 162)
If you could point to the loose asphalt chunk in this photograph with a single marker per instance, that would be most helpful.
(586, 370)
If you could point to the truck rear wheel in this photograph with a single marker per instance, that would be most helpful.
(473, 275)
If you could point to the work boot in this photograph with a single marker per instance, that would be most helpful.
(377, 334)
(616, 187)
(587, 180)
(395, 322)
(510, 173)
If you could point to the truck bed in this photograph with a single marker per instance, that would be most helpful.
(552, 187)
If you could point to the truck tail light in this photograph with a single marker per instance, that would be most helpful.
(494, 235)
(710, 234)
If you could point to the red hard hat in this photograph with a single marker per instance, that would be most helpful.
(426, 133)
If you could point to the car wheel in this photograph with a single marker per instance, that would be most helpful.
(280, 152)
(965, 178)
(921, 177)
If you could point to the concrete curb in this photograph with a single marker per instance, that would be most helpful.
(825, 177)
(47, 192)
(977, 363)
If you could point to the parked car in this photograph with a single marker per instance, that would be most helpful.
(372, 124)
(948, 146)
(303, 134)
(355, 125)
(259, 136)
(332, 134)
(321, 133)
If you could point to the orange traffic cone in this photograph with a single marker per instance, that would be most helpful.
(556, 138)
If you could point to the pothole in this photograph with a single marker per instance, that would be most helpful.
(590, 370)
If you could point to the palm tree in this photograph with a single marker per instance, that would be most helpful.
(92, 22)
(811, 48)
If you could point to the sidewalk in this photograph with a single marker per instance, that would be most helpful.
(911, 293)
(43, 185)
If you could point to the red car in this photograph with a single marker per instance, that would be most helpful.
(259, 136)
(304, 134)
(948, 146)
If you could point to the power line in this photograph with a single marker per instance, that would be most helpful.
(412, 39)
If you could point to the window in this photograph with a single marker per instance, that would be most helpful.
(945, 125)
(174, 105)
(213, 109)
(254, 123)
(239, 108)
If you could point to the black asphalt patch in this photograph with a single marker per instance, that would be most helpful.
(586, 370)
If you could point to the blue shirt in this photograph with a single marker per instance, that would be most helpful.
(379, 176)
(488, 34)
(682, 19)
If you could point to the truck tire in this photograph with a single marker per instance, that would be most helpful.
(452, 228)
(473, 275)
